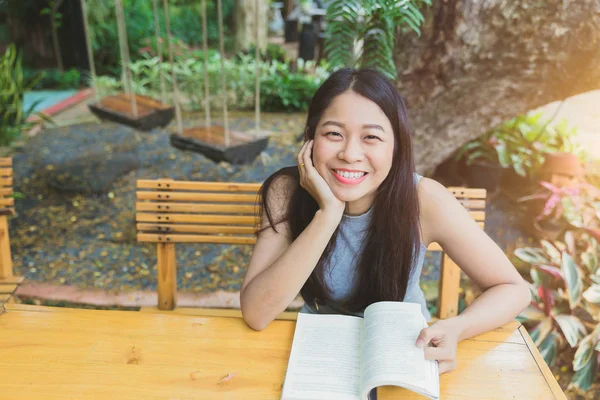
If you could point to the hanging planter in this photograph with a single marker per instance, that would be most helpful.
(150, 113)
(139, 112)
(242, 149)
(219, 143)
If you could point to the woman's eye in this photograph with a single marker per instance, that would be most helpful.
(370, 137)
(333, 134)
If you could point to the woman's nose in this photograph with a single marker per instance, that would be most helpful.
(351, 152)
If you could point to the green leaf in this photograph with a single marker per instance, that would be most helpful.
(583, 379)
(584, 352)
(571, 327)
(549, 348)
(542, 330)
(551, 251)
(531, 313)
(592, 294)
(572, 278)
(531, 255)
(503, 154)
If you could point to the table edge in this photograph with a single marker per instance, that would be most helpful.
(544, 369)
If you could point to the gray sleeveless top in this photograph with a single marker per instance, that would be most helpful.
(340, 270)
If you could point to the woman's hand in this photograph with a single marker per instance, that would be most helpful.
(439, 342)
(313, 183)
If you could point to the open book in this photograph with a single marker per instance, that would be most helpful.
(339, 357)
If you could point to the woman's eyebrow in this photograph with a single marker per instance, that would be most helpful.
(373, 126)
(366, 126)
(334, 123)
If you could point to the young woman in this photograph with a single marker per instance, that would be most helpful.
(349, 225)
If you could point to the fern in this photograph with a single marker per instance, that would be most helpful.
(374, 22)
(341, 32)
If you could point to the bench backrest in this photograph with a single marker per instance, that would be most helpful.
(169, 212)
(8, 282)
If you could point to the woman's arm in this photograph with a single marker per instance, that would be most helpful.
(278, 268)
(504, 292)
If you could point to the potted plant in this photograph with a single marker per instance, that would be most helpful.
(564, 201)
(482, 165)
(565, 309)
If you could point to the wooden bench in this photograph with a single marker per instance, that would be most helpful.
(170, 212)
(8, 281)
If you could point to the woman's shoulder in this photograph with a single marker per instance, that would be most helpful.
(434, 198)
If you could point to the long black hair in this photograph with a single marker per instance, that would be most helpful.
(393, 238)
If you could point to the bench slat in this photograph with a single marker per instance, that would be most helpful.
(199, 186)
(6, 181)
(6, 162)
(196, 207)
(6, 192)
(178, 196)
(170, 238)
(7, 172)
(468, 193)
(7, 202)
(197, 218)
(472, 205)
(185, 228)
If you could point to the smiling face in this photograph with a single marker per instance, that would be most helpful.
(353, 149)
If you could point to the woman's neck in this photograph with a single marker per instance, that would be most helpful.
(360, 206)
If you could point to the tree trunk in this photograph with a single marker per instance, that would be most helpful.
(478, 63)
(245, 25)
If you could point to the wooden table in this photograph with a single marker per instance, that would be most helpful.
(60, 353)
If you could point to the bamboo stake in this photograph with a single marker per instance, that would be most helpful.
(257, 58)
(205, 49)
(90, 54)
(223, 89)
(122, 30)
(173, 77)
(159, 51)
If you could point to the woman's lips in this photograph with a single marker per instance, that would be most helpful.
(349, 181)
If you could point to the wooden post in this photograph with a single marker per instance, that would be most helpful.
(223, 88)
(88, 43)
(6, 267)
(448, 288)
(167, 276)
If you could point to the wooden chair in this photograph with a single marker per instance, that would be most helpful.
(8, 281)
(170, 212)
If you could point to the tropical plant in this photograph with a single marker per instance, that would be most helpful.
(521, 143)
(185, 20)
(52, 78)
(565, 307)
(13, 120)
(374, 23)
(281, 89)
(576, 206)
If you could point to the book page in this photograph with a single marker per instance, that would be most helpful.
(390, 356)
(325, 358)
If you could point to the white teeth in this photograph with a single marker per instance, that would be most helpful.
(351, 175)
